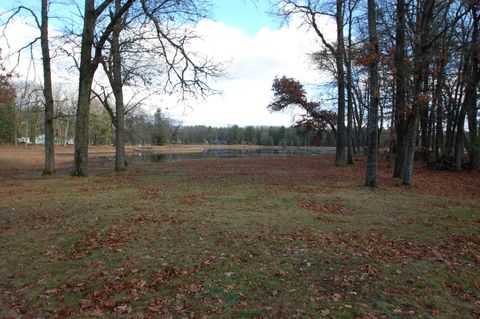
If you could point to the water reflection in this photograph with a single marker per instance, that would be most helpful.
(222, 153)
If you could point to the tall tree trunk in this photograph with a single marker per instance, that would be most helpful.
(459, 139)
(65, 139)
(349, 114)
(87, 71)
(48, 94)
(88, 65)
(471, 90)
(372, 139)
(340, 158)
(380, 125)
(424, 119)
(400, 91)
(117, 86)
(424, 18)
(358, 119)
(437, 103)
(348, 61)
(454, 110)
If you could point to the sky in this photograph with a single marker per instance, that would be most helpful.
(247, 15)
(257, 47)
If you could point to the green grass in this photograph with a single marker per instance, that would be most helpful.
(247, 238)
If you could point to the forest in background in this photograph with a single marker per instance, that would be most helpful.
(23, 123)
(408, 68)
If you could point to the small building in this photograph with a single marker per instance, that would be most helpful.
(23, 140)
(40, 139)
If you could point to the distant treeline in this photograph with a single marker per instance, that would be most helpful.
(261, 135)
(25, 125)
(161, 130)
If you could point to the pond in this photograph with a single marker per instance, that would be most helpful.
(217, 152)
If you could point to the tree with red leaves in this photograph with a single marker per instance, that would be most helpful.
(288, 93)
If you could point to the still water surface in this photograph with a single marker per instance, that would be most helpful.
(222, 153)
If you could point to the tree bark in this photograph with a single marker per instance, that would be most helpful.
(424, 119)
(459, 137)
(87, 71)
(454, 110)
(437, 103)
(88, 65)
(349, 88)
(400, 91)
(372, 139)
(425, 15)
(471, 90)
(117, 86)
(340, 156)
(48, 94)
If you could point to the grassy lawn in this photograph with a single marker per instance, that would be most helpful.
(239, 238)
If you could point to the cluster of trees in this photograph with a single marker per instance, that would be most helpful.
(7, 114)
(135, 43)
(259, 135)
(23, 121)
(410, 65)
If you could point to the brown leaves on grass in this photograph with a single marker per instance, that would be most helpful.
(122, 281)
(119, 235)
(193, 198)
(113, 293)
(381, 248)
(453, 250)
(156, 219)
(164, 276)
(113, 238)
(464, 249)
(96, 186)
(152, 192)
(333, 208)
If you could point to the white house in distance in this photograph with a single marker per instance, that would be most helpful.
(23, 140)
(40, 140)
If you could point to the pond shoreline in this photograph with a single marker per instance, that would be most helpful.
(197, 148)
(150, 155)
(31, 157)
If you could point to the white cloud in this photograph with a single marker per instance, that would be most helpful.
(254, 62)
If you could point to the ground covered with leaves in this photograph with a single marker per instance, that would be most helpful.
(239, 238)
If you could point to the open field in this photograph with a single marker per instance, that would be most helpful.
(285, 237)
(31, 157)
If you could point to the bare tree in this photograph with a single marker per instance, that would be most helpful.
(400, 110)
(47, 94)
(471, 88)
(42, 25)
(90, 57)
(185, 72)
(352, 4)
(114, 72)
(372, 130)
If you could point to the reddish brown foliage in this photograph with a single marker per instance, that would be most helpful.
(152, 192)
(288, 92)
(113, 238)
(326, 207)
